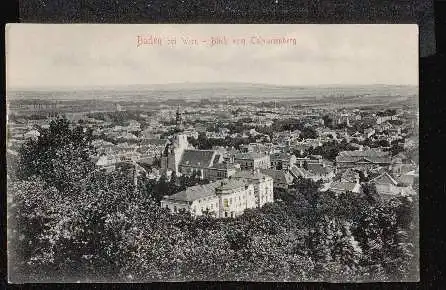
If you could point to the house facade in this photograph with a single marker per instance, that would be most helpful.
(263, 185)
(282, 160)
(252, 161)
(225, 198)
(282, 179)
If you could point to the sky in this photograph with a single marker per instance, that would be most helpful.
(107, 55)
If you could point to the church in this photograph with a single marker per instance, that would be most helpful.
(181, 157)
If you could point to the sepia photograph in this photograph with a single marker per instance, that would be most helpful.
(212, 152)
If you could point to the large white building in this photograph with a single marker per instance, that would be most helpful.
(224, 198)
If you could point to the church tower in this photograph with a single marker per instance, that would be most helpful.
(173, 152)
(179, 119)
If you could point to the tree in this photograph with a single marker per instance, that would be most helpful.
(309, 189)
(308, 133)
(328, 121)
(60, 155)
(369, 191)
(390, 249)
(334, 250)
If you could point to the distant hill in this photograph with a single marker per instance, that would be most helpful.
(367, 94)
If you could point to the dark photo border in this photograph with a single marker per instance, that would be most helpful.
(431, 18)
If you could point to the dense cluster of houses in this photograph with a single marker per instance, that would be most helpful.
(245, 177)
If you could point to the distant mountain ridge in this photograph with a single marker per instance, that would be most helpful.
(336, 94)
(215, 85)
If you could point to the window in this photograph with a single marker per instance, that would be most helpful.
(175, 208)
(226, 214)
(225, 203)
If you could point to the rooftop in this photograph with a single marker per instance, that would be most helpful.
(153, 141)
(318, 168)
(197, 158)
(223, 165)
(279, 176)
(231, 184)
(281, 156)
(299, 172)
(250, 155)
(384, 178)
(194, 192)
(343, 186)
(370, 155)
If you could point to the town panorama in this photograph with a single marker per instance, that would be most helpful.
(231, 181)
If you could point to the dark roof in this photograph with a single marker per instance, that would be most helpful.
(279, 176)
(299, 172)
(195, 192)
(280, 156)
(197, 158)
(216, 159)
(250, 155)
(222, 165)
(372, 156)
(229, 184)
(153, 141)
(318, 169)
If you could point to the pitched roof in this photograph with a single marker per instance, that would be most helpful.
(197, 158)
(194, 192)
(350, 175)
(384, 178)
(343, 186)
(279, 176)
(318, 169)
(372, 156)
(229, 183)
(363, 153)
(299, 172)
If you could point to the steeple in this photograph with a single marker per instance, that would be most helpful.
(178, 118)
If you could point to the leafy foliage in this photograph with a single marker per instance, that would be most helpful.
(61, 155)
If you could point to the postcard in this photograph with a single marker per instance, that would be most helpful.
(211, 152)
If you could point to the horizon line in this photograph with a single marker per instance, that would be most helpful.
(122, 86)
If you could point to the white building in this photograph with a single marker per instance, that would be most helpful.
(252, 161)
(224, 198)
(263, 185)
